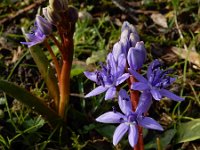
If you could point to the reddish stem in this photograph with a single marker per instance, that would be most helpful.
(57, 66)
(135, 99)
(133, 94)
(56, 42)
(65, 74)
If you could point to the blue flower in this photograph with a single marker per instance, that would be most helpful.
(109, 77)
(42, 28)
(128, 121)
(156, 82)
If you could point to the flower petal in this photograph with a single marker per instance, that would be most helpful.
(124, 102)
(91, 75)
(110, 93)
(119, 133)
(138, 76)
(149, 123)
(43, 25)
(30, 44)
(110, 117)
(169, 82)
(111, 64)
(122, 78)
(133, 135)
(145, 102)
(156, 63)
(170, 95)
(156, 94)
(96, 91)
(140, 86)
(121, 63)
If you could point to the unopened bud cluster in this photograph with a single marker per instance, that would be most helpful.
(59, 14)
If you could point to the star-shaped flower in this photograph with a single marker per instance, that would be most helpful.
(128, 121)
(156, 82)
(109, 77)
(41, 29)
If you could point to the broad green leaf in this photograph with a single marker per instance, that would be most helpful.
(30, 100)
(188, 131)
(76, 70)
(165, 139)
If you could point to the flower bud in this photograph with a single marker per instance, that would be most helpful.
(43, 25)
(117, 50)
(64, 4)
(59, 5)
(52, 16)
(125, 34)
(140, 46)
(136, 56)
(133, 39)
(125, 45)
(73, 14)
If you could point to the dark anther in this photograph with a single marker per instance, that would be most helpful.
(99, 79)
(114, 109)
(126, 99)
(121, 119)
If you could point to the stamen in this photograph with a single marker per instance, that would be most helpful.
(99, 78)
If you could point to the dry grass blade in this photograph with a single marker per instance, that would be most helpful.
(192, 56)
(21, 11)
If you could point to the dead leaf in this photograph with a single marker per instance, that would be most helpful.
(159, 19)
(17, 54)
(192, 56)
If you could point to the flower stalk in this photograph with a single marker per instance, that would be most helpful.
(64, 84)
(134, 96)
(55, 61)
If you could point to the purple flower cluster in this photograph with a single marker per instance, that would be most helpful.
(127, 57)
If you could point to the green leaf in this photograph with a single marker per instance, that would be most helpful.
(188, 131)
(30, 100)
(33, 124)
(165, 139)
(76, 70)
(106, 131)
(46, 71)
